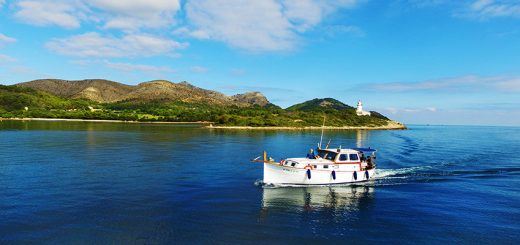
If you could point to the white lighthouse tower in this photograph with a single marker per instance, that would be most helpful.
(359, 109)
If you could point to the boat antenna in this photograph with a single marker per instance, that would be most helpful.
(322, 127)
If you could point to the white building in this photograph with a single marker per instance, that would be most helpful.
(360, 111)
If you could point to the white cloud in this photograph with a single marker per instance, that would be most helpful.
(135, 14)
(128, 67)
(93, 44)
(456, 84)
(6, 59)
(493, 8)
(305, 14)
(199, 69)
(251, 25)
(6, 39)
(474, 9)
(267, 25)
(126, 15)
(65, 14)
(511, 84)
(394, 111)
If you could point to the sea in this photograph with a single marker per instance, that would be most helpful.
(128, 183)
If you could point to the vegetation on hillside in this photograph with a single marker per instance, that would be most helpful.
(328, 104)
(16, 101)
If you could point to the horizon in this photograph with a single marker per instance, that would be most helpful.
(416, 61)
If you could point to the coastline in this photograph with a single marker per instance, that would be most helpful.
(392, 125)
(94, 120)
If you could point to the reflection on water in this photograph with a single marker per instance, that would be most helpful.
(337, 198)
(361, 137)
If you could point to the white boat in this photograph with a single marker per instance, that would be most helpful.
(329, 166)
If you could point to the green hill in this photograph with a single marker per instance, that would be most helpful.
(320, 105)
(14, 99)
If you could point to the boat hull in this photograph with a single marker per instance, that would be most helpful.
(282, 175)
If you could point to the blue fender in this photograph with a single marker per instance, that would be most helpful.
(334, 174)
(355, 175)
(366, 174)
(308, 174)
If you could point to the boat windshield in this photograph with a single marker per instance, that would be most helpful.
(327, 155)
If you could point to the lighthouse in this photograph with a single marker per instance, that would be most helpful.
(359, 109)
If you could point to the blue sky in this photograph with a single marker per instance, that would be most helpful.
(417, 61)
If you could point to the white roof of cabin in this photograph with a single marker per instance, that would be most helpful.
(311, 161)
(341, 150)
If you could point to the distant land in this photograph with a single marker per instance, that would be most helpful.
(165, 101)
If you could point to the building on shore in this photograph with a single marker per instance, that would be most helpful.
(360, 111)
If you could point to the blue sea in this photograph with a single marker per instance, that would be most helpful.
(105, 183)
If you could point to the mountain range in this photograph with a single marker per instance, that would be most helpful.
(105, 91)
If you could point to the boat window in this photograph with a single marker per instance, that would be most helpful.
(322, 154)
(354, 157)
(325, 166)
(315, 166)
(343, 157)
(293, 164)
(331, 156)
(327, 155)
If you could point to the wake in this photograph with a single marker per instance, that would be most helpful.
(440, 172)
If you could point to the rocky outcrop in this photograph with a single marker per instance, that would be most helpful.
(253, 98)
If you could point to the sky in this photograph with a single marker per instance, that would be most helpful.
(416, 61)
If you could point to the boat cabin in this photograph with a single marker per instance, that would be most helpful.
(355, 155)
(340, 155)
(364, 157)
(329, 159)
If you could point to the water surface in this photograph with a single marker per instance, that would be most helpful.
(85, 182)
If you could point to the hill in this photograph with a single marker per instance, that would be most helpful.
(98, 90)
(105, 91)
(166, 101)
(254, 98)
(18, 101)
(320, 105)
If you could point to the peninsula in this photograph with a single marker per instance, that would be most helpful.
(164, 101)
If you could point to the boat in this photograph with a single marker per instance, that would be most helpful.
(330, 166)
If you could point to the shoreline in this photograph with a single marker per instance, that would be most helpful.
(392, 125)
(94, 120)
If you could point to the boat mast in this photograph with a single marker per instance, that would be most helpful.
(322, 127)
